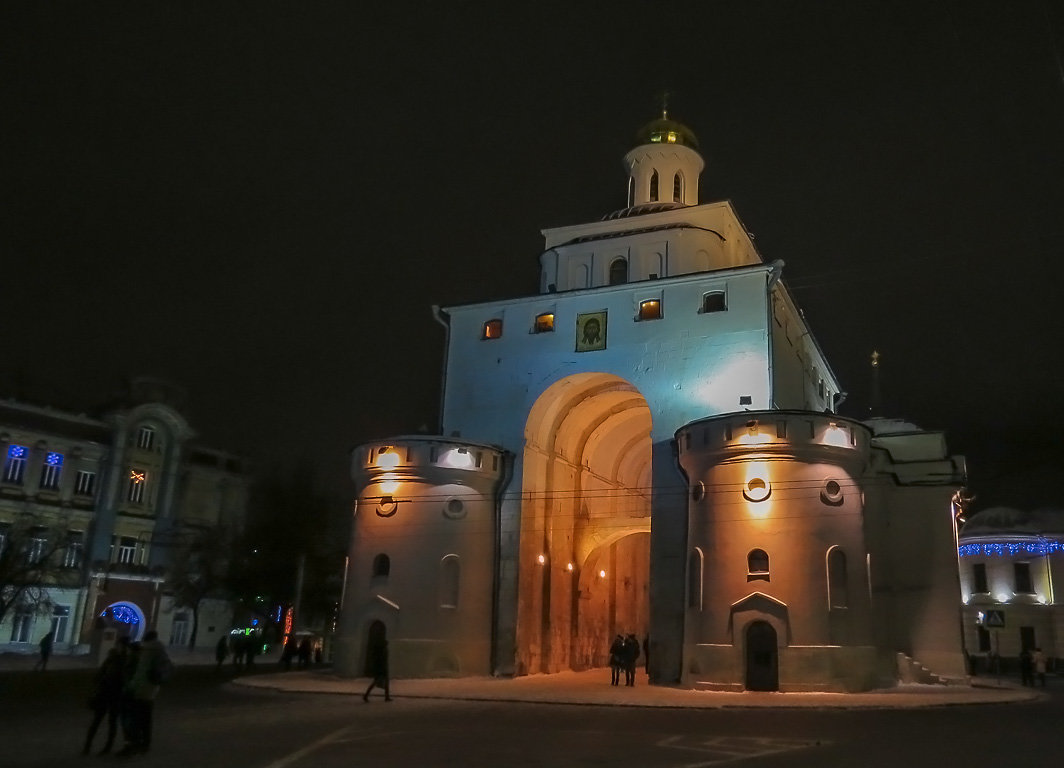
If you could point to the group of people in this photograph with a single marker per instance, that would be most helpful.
(244, 649)
(624, 652)
(124, 691)
(1033, 663)
(303, 650)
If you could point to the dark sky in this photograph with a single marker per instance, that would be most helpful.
(261, 201)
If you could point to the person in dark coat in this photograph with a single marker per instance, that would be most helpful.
(106, 697)
(1026, 668)
(45, 647)
(616, 660)
(221, 650)
(288, 652)
(631, 653)
(304, 653)
(646, 654)
(377, 665)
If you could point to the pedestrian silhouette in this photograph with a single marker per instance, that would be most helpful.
(304, 653)
(616, 660)
(377, 666)
(1039, 660)
(105, 700)
(1026, 668)
(631, 653)
(153, 668)
(45, 647)
(221, 650)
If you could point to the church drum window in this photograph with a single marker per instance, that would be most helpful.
(838, 594)
(450, 573)
(654, 187)
(619, 271)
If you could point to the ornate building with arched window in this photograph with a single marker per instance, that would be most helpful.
(650, 445)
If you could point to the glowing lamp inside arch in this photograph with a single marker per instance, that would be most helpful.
(387, 459)
(458, 458)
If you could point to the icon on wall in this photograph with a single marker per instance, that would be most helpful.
(591, 331)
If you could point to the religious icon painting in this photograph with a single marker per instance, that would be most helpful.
(591, 331)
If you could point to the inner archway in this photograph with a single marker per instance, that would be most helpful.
(585, 523)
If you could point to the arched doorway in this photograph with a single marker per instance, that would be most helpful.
(125, 617)
(762, 657)
(585, 523)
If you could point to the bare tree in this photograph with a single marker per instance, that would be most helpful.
(35, 553)
(200, 569)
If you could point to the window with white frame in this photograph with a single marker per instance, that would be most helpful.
(36, 546)
(50, 472)
(138, 478)
(127, 550)
(75, 549)
(15, 464)
(60, 621)
(146, 438)
(22, 624)
(84, 482)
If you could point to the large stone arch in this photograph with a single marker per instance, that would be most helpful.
(584, 552)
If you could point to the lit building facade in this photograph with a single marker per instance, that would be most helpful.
(108, 499)
(1011, 562)
(609, 420)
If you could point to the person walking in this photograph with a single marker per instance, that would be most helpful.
(221, 651)
(153, 667)
(377, 664)
(106, 697)
(631, 653)
(304, 653)
(616, 659)
(45, 648)
(1026, 668)
(1039, 660)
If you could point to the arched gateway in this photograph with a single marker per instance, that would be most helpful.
(585, 523)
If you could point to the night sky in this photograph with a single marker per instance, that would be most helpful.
(262, 202)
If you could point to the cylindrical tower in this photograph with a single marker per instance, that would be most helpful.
(777, 591)
(421, 566)
(665, 165)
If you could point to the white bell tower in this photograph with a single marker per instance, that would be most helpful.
(665, 166)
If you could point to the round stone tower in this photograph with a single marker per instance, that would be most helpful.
(421, 567)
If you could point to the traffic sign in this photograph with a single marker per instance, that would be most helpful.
(994, 619)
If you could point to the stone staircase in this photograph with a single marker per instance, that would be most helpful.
(912, 671)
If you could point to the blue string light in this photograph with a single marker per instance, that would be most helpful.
(1041, 546)
(54, 459)
(16, 451)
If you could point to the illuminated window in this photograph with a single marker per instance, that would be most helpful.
(650, 309)
(757, 565)
(979, 582)
(545, 322)
(15, 464)
(714, 301)
(84, 483)
(138, 478)
(1022, 572)
(450, 572)
(654, 187)
(695, 566)
(677, 188)
(53, 466)
(619, 271)
(838, 593)
(146, 438)
(382, 565)
(493, 329)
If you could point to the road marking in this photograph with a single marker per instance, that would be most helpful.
(730, 749)
(299, 754)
